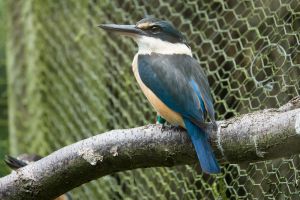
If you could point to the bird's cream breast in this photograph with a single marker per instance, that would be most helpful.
(161, 108)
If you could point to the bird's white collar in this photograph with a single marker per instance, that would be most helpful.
(148, 45)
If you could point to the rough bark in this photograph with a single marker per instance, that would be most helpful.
(262, 135)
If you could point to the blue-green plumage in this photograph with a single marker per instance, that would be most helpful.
(172, 80)
(179, 82)
(203, 149)
(170, 77)
(167, 31)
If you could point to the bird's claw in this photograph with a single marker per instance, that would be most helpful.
(163, 127)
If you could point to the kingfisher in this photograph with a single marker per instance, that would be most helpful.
(173, 81)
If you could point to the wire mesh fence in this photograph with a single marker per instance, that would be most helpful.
(69, 80)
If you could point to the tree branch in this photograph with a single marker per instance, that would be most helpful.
(262, 135)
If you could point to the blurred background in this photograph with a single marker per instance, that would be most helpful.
(62, 79)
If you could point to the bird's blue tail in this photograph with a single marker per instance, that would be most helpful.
(203, 149)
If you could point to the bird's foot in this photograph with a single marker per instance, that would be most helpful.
(163, 128)
(162, 121)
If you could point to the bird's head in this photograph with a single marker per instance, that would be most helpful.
(153, 36)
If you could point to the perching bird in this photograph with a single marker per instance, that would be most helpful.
(173, 81)
(25, 159)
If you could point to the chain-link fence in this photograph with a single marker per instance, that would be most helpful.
(69, 80)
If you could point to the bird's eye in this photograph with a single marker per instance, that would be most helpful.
(155, 29)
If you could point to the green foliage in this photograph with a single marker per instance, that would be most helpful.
(3, 93)
(71, 80)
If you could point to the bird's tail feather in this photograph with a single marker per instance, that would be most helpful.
(14, 163)
(203, 149)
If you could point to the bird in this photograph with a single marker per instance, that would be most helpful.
(25, 159)
(20, 161)
(172, 81)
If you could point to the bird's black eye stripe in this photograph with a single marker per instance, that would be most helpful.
(155, 28)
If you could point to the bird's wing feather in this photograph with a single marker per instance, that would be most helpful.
(179, 82)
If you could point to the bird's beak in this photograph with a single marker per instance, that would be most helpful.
(129, 30)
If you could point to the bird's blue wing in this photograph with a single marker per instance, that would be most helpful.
(179, 82)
